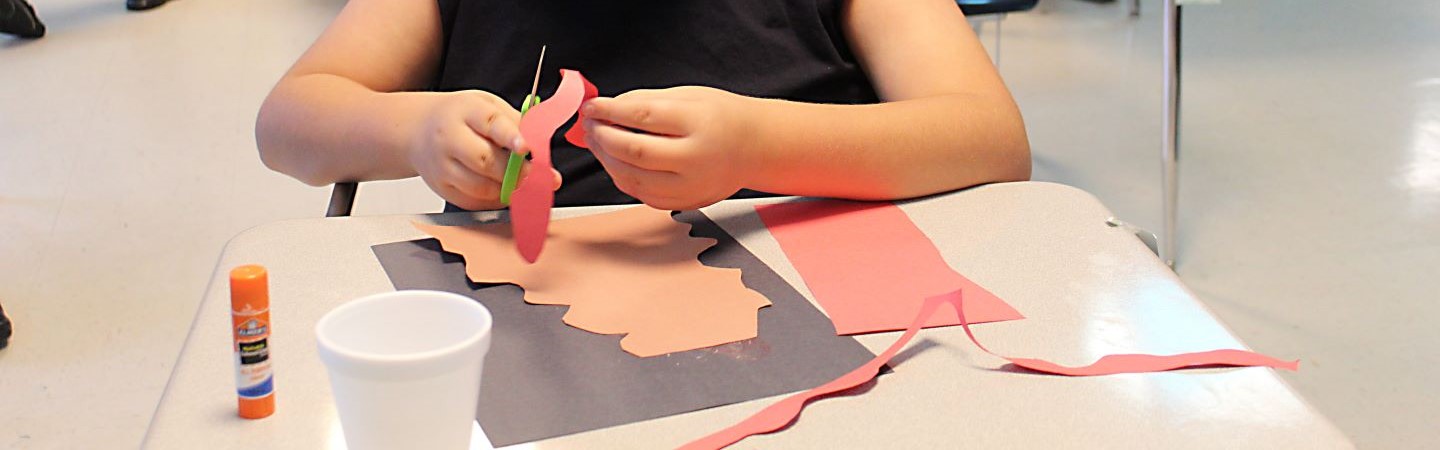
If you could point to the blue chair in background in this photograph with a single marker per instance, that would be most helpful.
(973, 8)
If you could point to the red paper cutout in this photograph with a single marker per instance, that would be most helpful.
(530, 204)
(869, 266)
(576, 135)
(778, 415)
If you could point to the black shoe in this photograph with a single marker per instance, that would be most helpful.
(141, 5)
(18, 18)
(5, 329)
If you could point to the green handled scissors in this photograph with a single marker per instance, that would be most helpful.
(517, 156)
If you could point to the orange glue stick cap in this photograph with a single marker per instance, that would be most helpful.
(249, 285)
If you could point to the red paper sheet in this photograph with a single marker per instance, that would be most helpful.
(869, 267)
(778, 415)
(531, 202)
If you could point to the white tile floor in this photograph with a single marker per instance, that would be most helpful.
(1310, 176)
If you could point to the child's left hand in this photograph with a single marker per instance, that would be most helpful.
(678, 148)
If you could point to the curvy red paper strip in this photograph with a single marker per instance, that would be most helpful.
(1134, 362)
(1139, 363)
(869, 266)
(777, 416)
(530, 204)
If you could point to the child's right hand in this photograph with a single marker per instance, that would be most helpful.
(459, 147)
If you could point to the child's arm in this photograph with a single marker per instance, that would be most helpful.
(947, 122)
(343, 112)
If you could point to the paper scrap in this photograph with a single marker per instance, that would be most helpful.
(778, 415)
(869, 266)
(1133, 362)
(634, 272)
(530, 204)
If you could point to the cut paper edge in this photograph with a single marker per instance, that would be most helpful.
(636, 304)
(786, 411)
(576, 136)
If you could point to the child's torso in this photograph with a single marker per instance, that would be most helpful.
(789, 49)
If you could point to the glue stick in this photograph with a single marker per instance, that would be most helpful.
(250, 320)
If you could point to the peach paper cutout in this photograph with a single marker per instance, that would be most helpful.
(634, 272)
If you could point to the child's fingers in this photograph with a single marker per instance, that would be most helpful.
(472, 184)
(555, 174)
(645, 113)
(478, 154)
(496, 124)
(645, 185)
(454, 194)
(646, 151)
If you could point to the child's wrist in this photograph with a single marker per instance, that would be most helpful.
(408, 114)
(752, 134)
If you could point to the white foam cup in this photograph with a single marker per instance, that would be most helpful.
(405, 368)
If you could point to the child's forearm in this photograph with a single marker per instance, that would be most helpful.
(891, 150)
(322, 129)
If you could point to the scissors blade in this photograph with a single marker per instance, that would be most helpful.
(517, 156)
(535, 86)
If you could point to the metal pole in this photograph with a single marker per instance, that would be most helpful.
(1169, 129)
(998, 20)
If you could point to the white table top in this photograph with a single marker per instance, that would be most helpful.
(1087, 290)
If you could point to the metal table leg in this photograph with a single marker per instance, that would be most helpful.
(1169, 129)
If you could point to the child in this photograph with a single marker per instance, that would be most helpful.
(712, 99)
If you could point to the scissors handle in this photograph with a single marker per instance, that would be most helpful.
(517, 157)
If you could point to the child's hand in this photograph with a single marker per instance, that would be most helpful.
(678, 148)
(459, 147)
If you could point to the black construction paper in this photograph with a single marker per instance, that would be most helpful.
(544, 379)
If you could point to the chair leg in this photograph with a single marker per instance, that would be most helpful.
(999, 19)
(342, 199)
(978, 25)
(1169, 170)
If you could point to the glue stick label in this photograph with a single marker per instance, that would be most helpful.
(253, 379)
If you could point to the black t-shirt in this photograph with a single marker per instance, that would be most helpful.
(785, 49)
